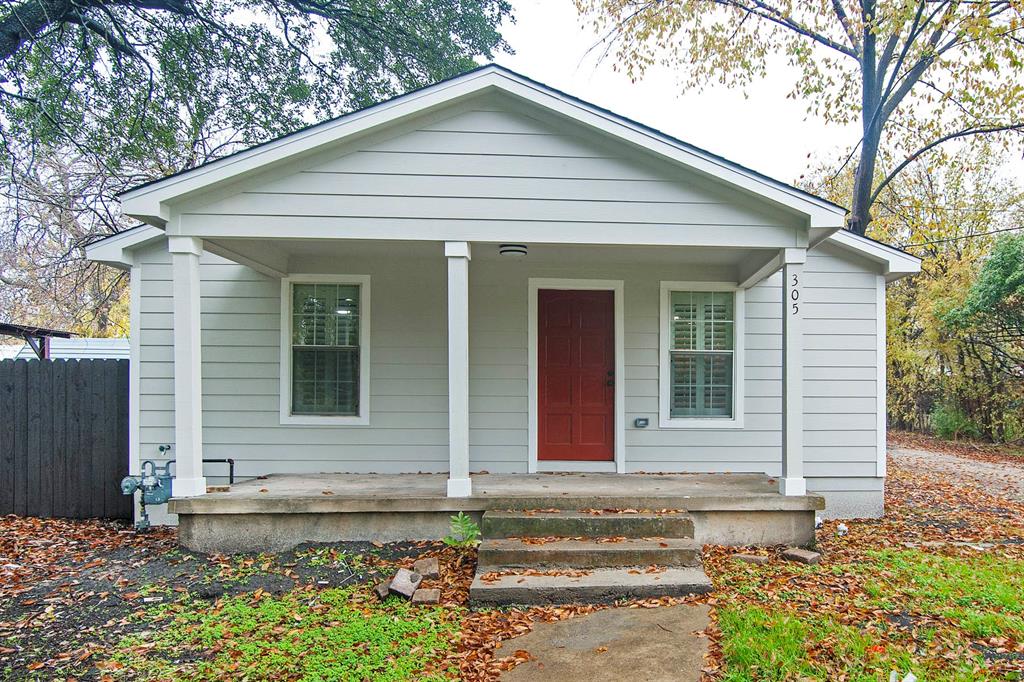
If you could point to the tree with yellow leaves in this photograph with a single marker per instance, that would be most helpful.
(916, 74)
(951, 365)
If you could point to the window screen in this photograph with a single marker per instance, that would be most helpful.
(325, 349)
(701, 353)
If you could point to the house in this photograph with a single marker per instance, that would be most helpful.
(80, 348)
(424, 306)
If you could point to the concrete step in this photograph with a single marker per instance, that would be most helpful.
(587, 553)
(569, 523)
(600, 586)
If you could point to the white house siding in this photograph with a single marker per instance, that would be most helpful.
(840, 403)
(241, 364)
(841, 382)
(78, 349)
(408, 415)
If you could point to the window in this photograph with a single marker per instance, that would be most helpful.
(701, 355)
(324, 356)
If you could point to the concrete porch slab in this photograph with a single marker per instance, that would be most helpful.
(334, 493)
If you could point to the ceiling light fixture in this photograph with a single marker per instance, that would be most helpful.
(512, 250)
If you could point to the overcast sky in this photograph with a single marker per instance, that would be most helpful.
(764, 131)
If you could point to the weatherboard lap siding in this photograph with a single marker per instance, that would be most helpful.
(486, 172)
(408, 376)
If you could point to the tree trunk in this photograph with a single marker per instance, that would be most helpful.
(871, 125)
(863, 182)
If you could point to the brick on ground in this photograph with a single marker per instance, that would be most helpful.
(428, 567)
(803, 556)
(405, 583)
(756, 559)
(426, 596)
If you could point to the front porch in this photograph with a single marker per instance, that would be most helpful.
(282, 511)
(450, 376)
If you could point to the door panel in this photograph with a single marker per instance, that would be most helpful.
(575, 375)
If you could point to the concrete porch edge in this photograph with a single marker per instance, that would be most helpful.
(277, 513)
(425, 493)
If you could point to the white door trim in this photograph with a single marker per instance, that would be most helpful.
(616, 286)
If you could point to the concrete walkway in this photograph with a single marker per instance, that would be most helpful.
(639, 645)
(1004, 479)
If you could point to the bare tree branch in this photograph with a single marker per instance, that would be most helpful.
(967, 132)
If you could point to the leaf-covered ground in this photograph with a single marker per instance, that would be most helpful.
(93, 600)
(936, 588)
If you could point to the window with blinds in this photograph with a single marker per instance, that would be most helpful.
(702, 344)
(325, 349)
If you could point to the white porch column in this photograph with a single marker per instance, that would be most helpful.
(792, 481)
(188, 392)
(458, 255)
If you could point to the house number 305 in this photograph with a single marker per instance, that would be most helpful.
(794, 294)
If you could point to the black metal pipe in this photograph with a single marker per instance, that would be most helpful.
(231, 467)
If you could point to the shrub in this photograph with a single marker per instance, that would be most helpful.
(950, 422)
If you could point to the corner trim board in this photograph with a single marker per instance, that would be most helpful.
(881, 378)
(135, 377)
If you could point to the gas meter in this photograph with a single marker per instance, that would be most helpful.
(154, 484)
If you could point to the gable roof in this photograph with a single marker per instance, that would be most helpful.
(148, 201)
(895, 262)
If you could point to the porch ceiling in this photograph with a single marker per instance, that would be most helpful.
(285, 256)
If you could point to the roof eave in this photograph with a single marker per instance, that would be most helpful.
(895, 264)
(116, 250)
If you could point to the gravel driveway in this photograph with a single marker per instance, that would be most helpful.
(1004, 479)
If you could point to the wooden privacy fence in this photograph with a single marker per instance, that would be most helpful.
(64, 438)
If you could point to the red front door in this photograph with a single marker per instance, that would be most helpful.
(576, 375)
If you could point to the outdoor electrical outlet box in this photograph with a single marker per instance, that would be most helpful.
(641, 422)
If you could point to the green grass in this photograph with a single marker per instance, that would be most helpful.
(784, 630)
(774, 646)
(981, 595)
(333, 634)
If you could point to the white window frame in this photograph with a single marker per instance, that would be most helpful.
(665, 418)
(361, 419)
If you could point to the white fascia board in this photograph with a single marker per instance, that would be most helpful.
(148, 202)
(116, 249)
(895, 263)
